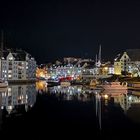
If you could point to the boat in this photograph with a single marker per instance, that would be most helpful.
(115, 86)
(65, 83)
(134, 86)
(52, 82)
(3, 83)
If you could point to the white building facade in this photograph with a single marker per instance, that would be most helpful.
(17, 66)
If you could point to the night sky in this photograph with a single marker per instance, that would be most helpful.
(54, 29)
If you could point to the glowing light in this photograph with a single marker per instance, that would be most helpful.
(2, 107)
(106, 96)
(9, 76)
(10, 58)
(130, 98)
(106, 68)
(10, 107)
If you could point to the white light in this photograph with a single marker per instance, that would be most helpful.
(130, 98)
(9, 89)
(2, 107)
(79, 90)
(10, 107)
(10, 58)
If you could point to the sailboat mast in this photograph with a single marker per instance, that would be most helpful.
(99, 59)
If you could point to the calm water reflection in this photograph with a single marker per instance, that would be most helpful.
(16, 100)
(74, 106)
(125, 103)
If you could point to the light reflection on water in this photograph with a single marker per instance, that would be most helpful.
(123, 97)
(128, 101)
(17, 96)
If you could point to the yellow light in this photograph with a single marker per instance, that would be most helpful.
(106, 68)
(106, 96)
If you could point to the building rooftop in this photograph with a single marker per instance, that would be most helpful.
(18, 54)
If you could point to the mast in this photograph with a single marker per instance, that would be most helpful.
(99, 59)
(96, 60)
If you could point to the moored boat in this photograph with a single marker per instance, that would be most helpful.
(52, 82)
(65, 83)
(115, 86)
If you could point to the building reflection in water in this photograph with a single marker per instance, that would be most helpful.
(128, 101)
(124, 100)
(15, 96)
(82, 93)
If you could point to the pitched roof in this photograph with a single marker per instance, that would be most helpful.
(18, 54)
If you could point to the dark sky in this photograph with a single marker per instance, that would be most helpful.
(53, 29)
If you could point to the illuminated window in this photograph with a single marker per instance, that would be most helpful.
(10, 71)
(10, 58)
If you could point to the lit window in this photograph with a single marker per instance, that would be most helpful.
(10, 107)
(9, 89)
(9, 76)
(10, 58)
(10, 71)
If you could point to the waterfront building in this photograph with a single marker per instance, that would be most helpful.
(17, 65)
(121, 63)
(134, 66)
(128, 62)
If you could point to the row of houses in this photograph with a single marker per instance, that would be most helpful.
(125, 63)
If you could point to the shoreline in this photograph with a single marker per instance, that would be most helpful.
(21, 81)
